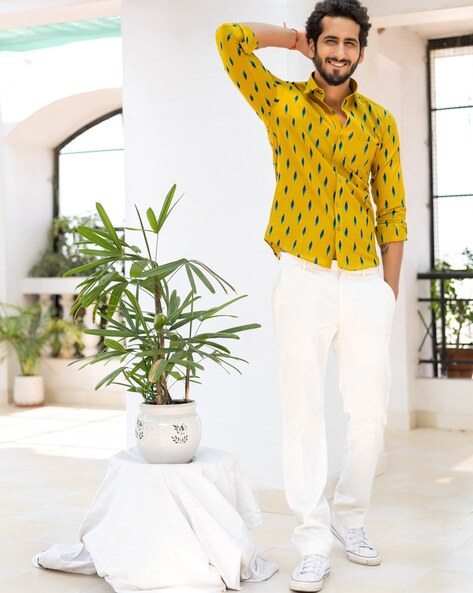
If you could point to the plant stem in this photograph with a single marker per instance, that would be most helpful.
(161, 383)
(188, 370)
(158, 309)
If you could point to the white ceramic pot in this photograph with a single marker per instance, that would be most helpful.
(28, 391)
(168, 434)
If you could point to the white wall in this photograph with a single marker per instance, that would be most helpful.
(28, 211)
(3, 284)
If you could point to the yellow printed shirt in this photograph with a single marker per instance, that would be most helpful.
(327, 175)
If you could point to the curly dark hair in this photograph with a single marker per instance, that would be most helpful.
(351, 9)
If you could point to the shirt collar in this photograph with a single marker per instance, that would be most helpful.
(313, 88)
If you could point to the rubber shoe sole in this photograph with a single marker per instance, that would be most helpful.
(365, 561)
(307, 585)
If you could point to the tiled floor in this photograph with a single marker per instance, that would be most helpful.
(52, 460)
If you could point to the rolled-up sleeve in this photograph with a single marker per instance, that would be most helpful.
(236, 44)
(387, 186)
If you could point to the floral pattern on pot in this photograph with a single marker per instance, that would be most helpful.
(139, 428)
(182, 436)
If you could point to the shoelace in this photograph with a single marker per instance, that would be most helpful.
(359, 538)
(310, 563)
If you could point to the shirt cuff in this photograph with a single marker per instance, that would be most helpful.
(390, 232)
(249, 42)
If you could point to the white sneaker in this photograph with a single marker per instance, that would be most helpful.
(358, 547)
(310, 574)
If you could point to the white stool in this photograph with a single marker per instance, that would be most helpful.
(159, 528)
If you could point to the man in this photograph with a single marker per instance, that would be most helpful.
(332, 147)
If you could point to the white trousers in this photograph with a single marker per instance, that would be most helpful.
(314, 307)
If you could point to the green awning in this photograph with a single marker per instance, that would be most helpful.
(44, 36)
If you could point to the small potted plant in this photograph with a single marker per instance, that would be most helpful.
(62, 252)
(158, 340)
(458, 311)
(28, 331)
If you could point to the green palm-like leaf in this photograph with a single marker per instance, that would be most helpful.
(108, 225)
(114, 345)
(153, 223)
(88, 266)
(96, 237)
(223, 283)
(161, 271)
(202, 277)
(110, 378)
(165, 209)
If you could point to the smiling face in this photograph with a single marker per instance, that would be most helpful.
(338, 50)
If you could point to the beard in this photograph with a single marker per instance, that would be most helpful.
(335, 78)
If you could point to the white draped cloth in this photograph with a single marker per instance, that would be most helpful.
(168, 528)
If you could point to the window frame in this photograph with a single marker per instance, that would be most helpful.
(435, 44)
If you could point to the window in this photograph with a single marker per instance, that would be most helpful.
(89, 169)
(451, 104)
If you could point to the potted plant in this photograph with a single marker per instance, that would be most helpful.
(27, 331)
(62, 252)
(158, 340)
(458, 311)
(46, 278)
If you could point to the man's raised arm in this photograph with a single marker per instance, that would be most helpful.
(274, 36)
